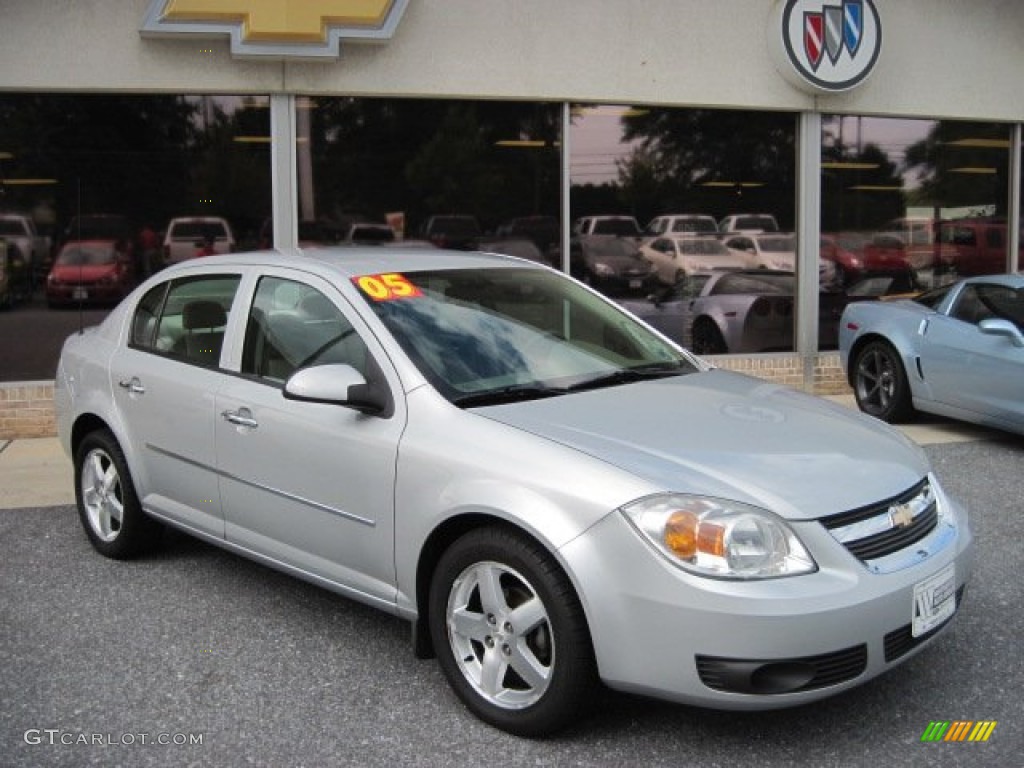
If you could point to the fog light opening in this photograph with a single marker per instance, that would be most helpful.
(783, 677)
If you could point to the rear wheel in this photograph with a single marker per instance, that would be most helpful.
(107, 504)
(510, 634)
(707, 339)
(880, 383)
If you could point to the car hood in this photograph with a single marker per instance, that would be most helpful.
(725, 435)
(85, 273)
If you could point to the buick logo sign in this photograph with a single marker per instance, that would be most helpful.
(825, 45)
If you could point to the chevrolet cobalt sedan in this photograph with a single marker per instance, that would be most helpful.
(549, 491)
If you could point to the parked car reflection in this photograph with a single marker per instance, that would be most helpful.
(90, 272)
(675, 257)
(15, 280)
(723, 312)
(612, 265)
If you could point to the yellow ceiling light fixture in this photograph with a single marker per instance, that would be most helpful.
(524, 143)
(876, 188)
(606, 110)
(975, 170)
(977, 143)
(849, 166)
(28, 182)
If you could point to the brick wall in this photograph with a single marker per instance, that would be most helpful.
(824, 374)
(26, 408)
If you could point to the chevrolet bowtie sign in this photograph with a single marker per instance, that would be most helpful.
(277, 29)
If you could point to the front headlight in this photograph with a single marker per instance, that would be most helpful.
(603, 270)
(718, 538)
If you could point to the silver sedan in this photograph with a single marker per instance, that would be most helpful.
(553, 494)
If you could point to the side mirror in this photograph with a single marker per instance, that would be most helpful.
(997, 326)
(338, 384)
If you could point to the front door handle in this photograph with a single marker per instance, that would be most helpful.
(242, 418)
(133, 385)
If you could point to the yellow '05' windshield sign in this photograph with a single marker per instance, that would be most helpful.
(387, 287)
(277, 28)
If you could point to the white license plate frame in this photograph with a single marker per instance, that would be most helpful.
(934, 601)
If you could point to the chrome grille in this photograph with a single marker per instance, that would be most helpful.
(881, 529)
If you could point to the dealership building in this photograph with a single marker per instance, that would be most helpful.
(870, 129)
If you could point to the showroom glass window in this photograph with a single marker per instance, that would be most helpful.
(120, 167)
(458, 174)
(671, 171)
(909, 205)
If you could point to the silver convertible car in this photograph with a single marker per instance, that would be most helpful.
(956, 351)
(552, 493)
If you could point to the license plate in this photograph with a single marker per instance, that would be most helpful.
(79, 294)
(934, 601)
(636, 283)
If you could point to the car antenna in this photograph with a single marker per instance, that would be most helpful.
(81, 266)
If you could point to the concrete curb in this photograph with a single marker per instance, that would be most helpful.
(35, 473)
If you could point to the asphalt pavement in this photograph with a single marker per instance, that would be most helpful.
(233, 664)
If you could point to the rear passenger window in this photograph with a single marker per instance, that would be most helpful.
(292, 325)
(186, 318)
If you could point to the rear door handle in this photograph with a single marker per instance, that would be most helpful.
(242, 418)
(133, 385)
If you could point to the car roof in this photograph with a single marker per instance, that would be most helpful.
(354, 261)
(1010, 281)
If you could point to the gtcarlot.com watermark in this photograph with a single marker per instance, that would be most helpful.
(59, 737)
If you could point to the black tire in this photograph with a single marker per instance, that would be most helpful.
(707, 339)
(880, 383)
(554, 652)
(107, 503)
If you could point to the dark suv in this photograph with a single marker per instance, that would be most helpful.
(457, 231)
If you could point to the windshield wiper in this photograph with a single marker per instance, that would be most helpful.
(512, 394)
(628, 375)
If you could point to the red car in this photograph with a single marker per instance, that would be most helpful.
(975, 246)
(90, 271)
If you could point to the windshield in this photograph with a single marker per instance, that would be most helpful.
(623, 227)
(483, 336)
(755, 283)
(778, 244)
(695, 225)
(767, 223)
(81, 255)
(11, 227)
(197, 230)
(704, 247)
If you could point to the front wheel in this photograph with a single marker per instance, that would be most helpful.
(107, 503)
(880, 383)
(510, 633)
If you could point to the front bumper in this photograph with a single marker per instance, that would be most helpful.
(660, 631)
(67, 294)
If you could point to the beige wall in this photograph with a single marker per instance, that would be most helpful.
(940, 58)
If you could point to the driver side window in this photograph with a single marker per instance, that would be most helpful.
(292, 325)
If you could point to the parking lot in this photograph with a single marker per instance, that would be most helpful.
(234, 664)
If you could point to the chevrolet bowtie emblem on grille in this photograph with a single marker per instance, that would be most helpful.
(901, 516)
(310, 29)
